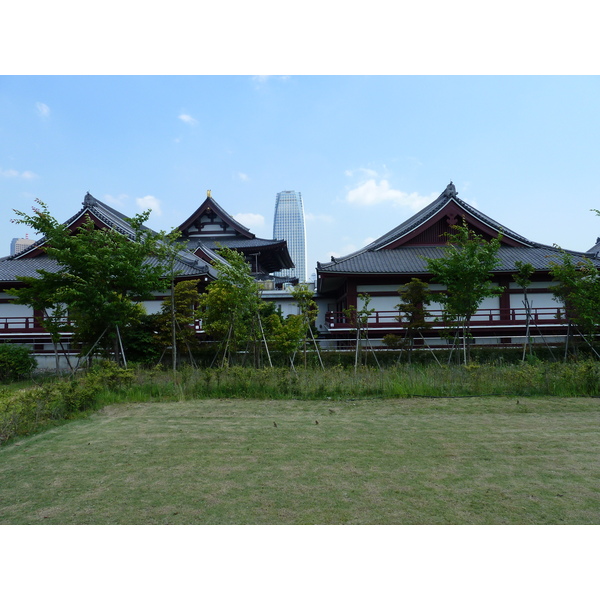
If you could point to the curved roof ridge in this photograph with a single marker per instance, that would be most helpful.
(210, 252)
(225, 213)
(212, 204)
(418, 218)
(426, 213)
(494, 224)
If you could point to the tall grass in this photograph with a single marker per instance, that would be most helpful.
(338, 383)
(26, 410)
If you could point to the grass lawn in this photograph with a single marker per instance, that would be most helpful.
(400, 461)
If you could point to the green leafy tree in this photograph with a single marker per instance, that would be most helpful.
(172, 248)
(47, 300)
(579, 290)
(523, 279)
(179, 313)
(285, 335)
(466, 271)
(414, 297)
(359, 319)
(230, 307)
(101, 278)
(308, 311)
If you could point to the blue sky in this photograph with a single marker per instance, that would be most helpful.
(366, 152)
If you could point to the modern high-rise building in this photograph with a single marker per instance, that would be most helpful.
(19, 244)
(288, 225)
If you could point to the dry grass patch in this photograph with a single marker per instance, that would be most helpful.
(401, 461)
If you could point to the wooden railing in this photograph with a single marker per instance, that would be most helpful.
(390, 319)
(22, 325)
(10, 325)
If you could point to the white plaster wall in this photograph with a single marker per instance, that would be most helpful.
(15, 310)
(487, 304)
(543, 300)
(382, 303)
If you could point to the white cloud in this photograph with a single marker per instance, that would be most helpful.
(43, 109)
(243, 176)
(14, 173)
(250, 220)
(149, 202)
(187, 119)
(372, 192)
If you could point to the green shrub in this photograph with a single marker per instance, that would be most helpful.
(108, 374)
(24, 411)
(16, 362)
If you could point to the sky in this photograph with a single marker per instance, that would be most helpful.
(366, 152)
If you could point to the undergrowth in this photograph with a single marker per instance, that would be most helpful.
(24, 410)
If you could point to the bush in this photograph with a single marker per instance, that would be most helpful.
(16, 362)
(25, 411)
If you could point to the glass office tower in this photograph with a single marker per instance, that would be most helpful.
(288, 225)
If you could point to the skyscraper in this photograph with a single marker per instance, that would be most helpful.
(288, 225)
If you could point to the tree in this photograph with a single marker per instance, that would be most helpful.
(414, 296)
(172, 247)
(579, 290)
(179, 312)
(285, 335)
(308, 311)
(230, 307)
(523, 278)
(466, 270)
(101, 278)
(45, 298)
(360, 320)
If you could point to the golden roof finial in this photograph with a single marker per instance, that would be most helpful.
(208, 195)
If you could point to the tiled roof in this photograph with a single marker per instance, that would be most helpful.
(210, 204)
(224, 213)
(186, 265)
(106, 214)
(431, 210)
(11, 268)
(411, 259)
(238, 242)
(375, 259)
(24, 265)
(271, 255)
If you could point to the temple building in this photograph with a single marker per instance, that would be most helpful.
(21, 324)
(211, 227)
(381, 267)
